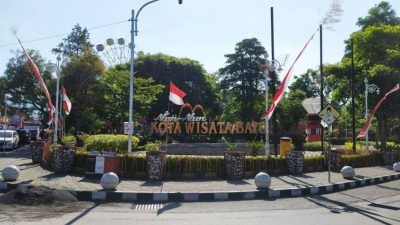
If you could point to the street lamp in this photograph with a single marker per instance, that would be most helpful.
(371, 88)
(268, 67)
(134, 31)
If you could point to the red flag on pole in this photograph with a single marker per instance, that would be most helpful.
(368, 122)
(36, 72)
(176, 95)
(66, 102)
(281, 91)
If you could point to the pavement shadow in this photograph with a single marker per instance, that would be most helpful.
(90, 180)
(169, 206)
(304, 184)
(338, 207)
(389, 188)
(82, 214)
(152, 184)
(51, 176)
(238, 182)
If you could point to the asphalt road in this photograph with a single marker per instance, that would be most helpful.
(378, 204)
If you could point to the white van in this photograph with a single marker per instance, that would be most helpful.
(9, 139)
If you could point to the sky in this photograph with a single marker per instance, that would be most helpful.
(203, 30)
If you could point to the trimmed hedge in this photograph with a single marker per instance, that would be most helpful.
(203, 167)
(315, 146)
(109, 143)
(362, 160)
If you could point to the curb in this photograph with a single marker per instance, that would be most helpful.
(124, 196)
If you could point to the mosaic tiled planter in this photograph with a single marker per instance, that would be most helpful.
(37, 151)
(63, 159)
(235, 165)
(295, 162)
(155, 164)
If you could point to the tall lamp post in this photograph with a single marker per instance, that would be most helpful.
(269, 67)
(371, 88)
(134, 32)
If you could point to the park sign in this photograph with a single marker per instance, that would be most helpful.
(193, 121)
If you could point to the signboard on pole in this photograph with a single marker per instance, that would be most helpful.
(99, 167)
(329, 115)
(128, 128)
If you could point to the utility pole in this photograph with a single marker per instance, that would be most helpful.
(353, 109)
(321, 71)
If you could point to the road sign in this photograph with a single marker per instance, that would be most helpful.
(128, 128)
(329, 114)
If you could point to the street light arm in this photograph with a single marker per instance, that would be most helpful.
(146, 4)
(138, 13)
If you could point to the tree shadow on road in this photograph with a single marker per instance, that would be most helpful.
(82, 214)
(338, 207)
(169, 206)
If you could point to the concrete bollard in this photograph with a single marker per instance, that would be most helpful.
(109, 181)
(10, 173)
(348, 172)
(396, 167)
(262, 180)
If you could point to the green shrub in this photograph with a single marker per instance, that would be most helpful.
(69, 140)
(152, 146)
(110, 142)
(255, 146)
(315, 146)
(229, 146)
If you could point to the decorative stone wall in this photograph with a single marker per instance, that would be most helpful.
(388, 157)
(37, 151)
(63, 159)
(235, 165)
(295, 162)
(155, 164)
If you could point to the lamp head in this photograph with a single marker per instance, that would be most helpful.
(180, 1)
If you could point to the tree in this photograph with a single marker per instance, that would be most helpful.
(23, 85)
(306, 82)
(189, 75)
(381, 14)
(244, 78)
(81, 78)
(76, 43)
(116, 95)
(291, 110)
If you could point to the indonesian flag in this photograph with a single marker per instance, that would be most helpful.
(175, 94)
(36, 72)
(66, 102)
(281, 91)
(368, 122)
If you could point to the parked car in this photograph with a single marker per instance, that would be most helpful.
(9, 139)
(32, 132)
(23, 137)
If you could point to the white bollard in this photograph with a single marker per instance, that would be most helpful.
(10, 173)
(109, 181)
(262, 180)
(348, 172)
(396, 167)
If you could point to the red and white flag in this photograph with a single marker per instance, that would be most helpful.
(368, 122)
(36, 72)
(281, 91)
(176, 95)
(66, 102)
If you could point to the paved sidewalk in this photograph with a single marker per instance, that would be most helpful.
(35, 175)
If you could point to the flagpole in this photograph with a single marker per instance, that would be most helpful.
(55, 141)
